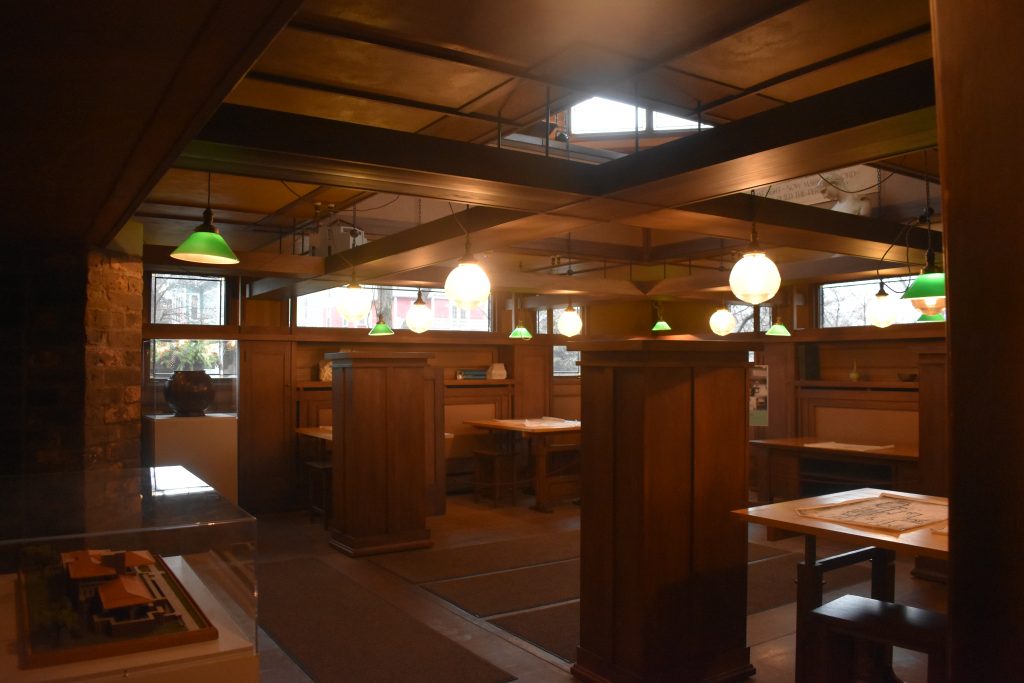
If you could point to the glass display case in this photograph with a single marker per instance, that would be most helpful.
(162, 359)
(141, 573)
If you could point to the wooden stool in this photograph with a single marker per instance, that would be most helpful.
(496, 475)
(318, 474)
(839, 624)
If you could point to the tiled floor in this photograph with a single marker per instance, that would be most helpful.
(769, 633)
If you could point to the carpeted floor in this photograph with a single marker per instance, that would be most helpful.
(301, 601)
(527, 588)
(422, 566)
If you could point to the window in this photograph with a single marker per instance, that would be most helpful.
(320, 309)
(600, 115)
(218, 357)
(844, 304)
(744, 314)
(565, 361)
(663, 121)
(186, 299)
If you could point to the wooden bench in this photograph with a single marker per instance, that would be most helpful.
(840, 624)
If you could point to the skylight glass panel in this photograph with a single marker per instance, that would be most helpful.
(600, 115)
(663, 121)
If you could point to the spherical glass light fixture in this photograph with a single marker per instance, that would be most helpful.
(355, 302)
(419, 316)
(755, 277)
(883, 309)
(467, 286)
(569, 322)
(723, 322)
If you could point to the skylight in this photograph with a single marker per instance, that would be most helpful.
(601, 115)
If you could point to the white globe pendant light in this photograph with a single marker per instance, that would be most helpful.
(883, 309)
(755, 277)
(467, 286)
(569, 322)
(419, 316)
(355, 302)
(723, 322)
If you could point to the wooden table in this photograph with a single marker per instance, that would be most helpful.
(880, 550)
(794, 467)
(535, 432)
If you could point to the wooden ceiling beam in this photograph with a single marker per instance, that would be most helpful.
(879, 117)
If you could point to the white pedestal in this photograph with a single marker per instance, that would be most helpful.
(207, 446)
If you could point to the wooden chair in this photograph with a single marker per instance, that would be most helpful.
(496, 475)
(843, 623)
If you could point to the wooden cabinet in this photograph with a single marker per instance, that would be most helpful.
(266, 466)
(385, 439)
(663, 562)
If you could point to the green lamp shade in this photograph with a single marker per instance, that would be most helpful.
(205, 246)
(936, 318)
(778, 330)
(661, 326)
(381, 329)
(928, 292)
(927, 286)
(520, 332)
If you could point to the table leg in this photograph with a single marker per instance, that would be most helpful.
(883, 587)
(539, 456)
(809, 581)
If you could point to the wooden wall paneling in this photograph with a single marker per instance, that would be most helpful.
(858, 415)
(933, 412)
(379, 451)
(781, 359)
(720, 486)
(597, 477)
(565, 398)
(434, 454)
(266, 461)
(530, 367)
(663, 568)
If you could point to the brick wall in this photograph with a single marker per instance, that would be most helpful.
(71, 358)
(113, 360)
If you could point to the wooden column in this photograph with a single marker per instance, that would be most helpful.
(663, 575)
(978, 53)
(381, 403)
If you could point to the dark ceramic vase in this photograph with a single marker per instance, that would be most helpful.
(189, 392)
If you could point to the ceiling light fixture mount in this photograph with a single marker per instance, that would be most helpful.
(755, 277)
(205, 244)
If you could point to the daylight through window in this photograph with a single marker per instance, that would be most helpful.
(186, 299)
(320, 309)
(844, 304)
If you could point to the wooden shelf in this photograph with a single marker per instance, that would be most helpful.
(858, 385)
(312, 384)
(478, 382)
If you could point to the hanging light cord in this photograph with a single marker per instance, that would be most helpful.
(459, 223)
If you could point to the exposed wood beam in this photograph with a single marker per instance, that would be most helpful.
(814, 269)
(229, 41)
(251, 264)
(703, 248)
(879, 117)
(775, 212)
(581, 249)
(264, 143)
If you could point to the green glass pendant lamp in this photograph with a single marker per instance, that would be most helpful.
(520, 331)
(660, 325)
(928, 292)
(205, 244)
(778, 330)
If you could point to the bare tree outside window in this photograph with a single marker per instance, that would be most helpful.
(844, 304)
(186, 299)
